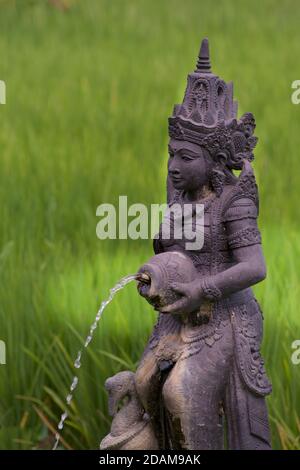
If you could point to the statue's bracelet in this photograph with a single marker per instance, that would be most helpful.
(210, 290)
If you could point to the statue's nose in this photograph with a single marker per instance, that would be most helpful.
(174, 172)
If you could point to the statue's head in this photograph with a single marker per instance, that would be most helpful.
(206, 139)
(119, 386)
(189, 165)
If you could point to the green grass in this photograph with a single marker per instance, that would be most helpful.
(89, 91)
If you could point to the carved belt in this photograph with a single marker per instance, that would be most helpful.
(237, 298)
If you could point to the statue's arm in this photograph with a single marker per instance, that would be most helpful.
(157, 244)
(244, 241)
(239, 218)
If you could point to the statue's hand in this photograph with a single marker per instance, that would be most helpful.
(192, 296)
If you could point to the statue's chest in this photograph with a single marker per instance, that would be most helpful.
(197, 229)
(201, 235)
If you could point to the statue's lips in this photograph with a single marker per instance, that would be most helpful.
(176, 179)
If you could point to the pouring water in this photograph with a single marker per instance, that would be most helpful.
(77, 363)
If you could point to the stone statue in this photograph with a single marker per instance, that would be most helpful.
(131, 428)
(201, 371)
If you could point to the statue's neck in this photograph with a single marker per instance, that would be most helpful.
(197, 195)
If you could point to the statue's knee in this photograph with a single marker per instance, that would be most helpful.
(146, 377)
(141, 384)
(173, 392)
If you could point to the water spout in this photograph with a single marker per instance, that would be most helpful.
(143, 277)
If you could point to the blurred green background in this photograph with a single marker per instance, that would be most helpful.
(90, 85)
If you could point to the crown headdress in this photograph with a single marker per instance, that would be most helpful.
(208, 115)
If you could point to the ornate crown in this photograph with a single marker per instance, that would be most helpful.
(208, 116)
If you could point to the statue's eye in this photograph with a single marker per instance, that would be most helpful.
(171, 155)
(186, 158)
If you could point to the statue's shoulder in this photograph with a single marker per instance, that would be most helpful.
(241, 199)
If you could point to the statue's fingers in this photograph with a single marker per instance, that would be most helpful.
(179, 287)
(176, 307)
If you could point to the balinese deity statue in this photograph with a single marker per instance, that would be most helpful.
(201, 372)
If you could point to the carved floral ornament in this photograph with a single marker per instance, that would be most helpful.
(236, 139)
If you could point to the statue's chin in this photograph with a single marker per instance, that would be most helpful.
(178, 184)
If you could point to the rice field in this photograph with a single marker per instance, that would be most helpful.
(89, 89)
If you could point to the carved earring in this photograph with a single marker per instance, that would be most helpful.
(217, 174)
(217, 179)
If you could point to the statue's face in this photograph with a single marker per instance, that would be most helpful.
(187, 165)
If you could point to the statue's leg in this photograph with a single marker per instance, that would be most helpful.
(194, 394)
(147, 381)
(247, 416)
(158, 358)
(245, 406)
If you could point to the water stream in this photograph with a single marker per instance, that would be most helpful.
(77, 364)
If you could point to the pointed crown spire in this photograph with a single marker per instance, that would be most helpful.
(208, 115)
(203, 63)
